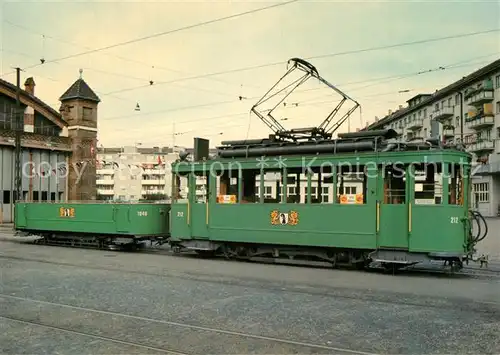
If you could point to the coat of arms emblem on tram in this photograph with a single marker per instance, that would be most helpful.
(284, 218)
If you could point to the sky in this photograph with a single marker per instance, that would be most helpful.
(337, 37)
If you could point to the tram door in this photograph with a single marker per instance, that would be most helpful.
(392, 207)
(199, 188)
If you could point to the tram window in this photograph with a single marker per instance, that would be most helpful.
(322, 181)
(250, 186)
(395, 184)
(351, 184)
(227, 186)
(201, 187)
(455, 184)
(273, 186)
(428, 184)
(180, 188)
(295, 179)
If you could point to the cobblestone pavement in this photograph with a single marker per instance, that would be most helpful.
(73, 301)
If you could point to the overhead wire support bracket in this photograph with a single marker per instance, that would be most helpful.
(321, 131)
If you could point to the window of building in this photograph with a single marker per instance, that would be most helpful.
(425, 113)
(436, 107)
(6, 197)
(325, 194)
(449, 102)
(498, 107)
(87, 113)
(457, 99)
(497, 81)
(350, 190)
(481, 192)
(268, 191)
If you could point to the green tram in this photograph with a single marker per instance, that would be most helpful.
(361, 198)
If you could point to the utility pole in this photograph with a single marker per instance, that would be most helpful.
(19, 119)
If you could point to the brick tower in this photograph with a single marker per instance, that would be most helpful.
(79, 109)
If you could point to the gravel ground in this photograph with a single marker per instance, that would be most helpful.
(199, 306)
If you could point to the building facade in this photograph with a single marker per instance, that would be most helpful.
(134, 173)
(466, 111)
(49, 154)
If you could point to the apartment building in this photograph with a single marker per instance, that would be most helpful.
(467, 110)
(135, 173)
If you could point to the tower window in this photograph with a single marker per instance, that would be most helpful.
(87, 113)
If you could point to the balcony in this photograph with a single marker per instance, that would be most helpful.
(105, 192)
(480, 122)
(482, 146)
(480, 95)
(153, 192)
(105, 182)
(153, 182)
(411, 136)
(480, 98)
(445, 113)
(154, 172)
(448, 133)
(416, 124)
(105, 171)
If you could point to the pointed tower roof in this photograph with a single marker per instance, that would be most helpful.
(80, 90)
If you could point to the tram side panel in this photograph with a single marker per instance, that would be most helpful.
(143, 219)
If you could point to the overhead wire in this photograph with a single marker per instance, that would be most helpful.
(164, 33)
(122, 76)
(227, 102)
(126, 59)
(311, 57)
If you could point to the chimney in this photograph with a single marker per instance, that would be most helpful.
(400, 107)
(29, 86)
(389, 112)
(376, 118)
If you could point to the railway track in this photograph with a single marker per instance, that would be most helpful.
(90, 335)
(44, 308)
(412, 270)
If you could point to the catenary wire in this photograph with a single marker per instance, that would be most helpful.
(164, 33)
(312, 57)
(126, 59)
(232, 101)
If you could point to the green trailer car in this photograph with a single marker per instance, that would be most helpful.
(79, 222)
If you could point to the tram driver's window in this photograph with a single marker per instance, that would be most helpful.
(395, 184)
(455, 184)
(227, 186)
(428, 184)
(351, 184)
(180, 188)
